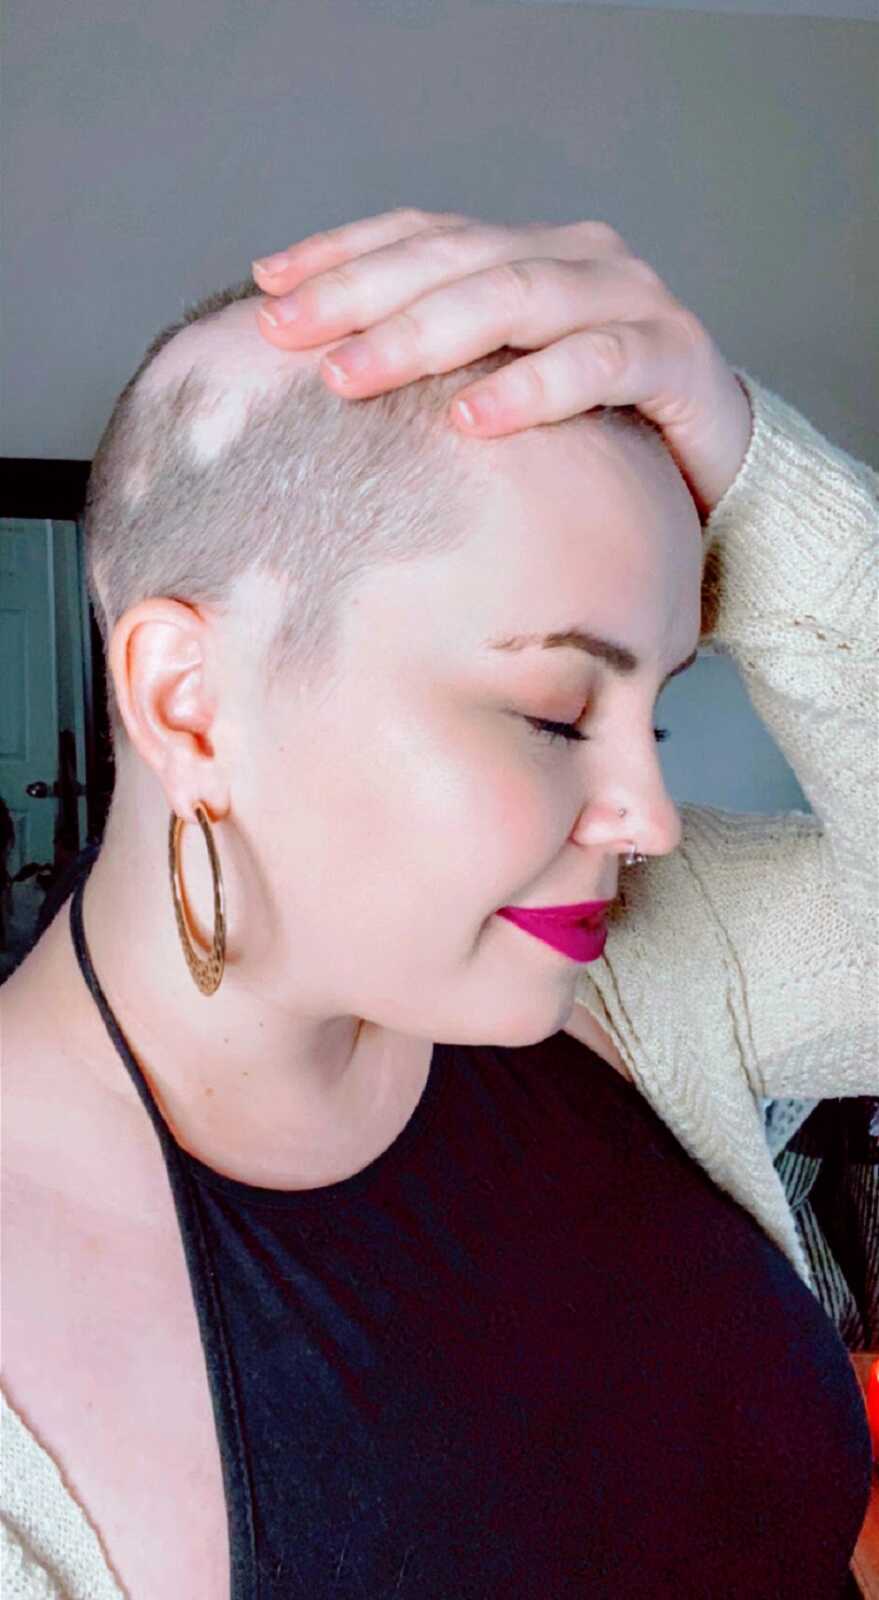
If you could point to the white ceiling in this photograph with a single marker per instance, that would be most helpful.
(837, 10)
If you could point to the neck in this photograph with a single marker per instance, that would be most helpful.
(243, 1082)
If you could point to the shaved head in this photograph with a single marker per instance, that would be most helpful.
(225, 456)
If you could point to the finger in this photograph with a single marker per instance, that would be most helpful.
(361, 290)
(359, 293)
(280, 273)
(643, 363)
(526, 304)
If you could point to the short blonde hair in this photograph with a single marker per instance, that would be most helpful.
(314, 489)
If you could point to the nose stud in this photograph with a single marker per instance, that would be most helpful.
(634, 857)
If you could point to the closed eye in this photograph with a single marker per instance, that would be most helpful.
(570, 733)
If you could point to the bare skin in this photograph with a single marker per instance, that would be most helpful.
(95, 1282)
(96, 1286)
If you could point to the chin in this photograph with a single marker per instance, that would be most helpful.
(534, 1025)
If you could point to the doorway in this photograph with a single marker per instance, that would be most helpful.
(55, 764)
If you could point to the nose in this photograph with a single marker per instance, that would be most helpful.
(635, 786)
(655, 830)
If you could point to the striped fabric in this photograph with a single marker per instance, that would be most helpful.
(830, 1172)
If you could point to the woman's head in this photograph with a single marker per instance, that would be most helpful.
(301, 593)
(225, 456)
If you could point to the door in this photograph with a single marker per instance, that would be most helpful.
(28, 709)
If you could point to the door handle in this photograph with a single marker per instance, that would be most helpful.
(42, 871)
(40, 790)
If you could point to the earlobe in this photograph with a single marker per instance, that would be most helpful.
(159, 654)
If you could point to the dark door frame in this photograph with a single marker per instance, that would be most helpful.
(53, 489)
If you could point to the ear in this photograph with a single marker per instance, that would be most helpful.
(159, 656)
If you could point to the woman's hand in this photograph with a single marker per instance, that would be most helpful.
(432, 291)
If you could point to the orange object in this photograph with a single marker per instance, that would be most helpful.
(872, 1397)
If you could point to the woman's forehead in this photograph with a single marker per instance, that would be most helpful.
(529, 569)
(589, 503)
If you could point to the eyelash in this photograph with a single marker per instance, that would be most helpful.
(570, 733)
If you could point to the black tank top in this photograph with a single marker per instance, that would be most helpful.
(530, 1351)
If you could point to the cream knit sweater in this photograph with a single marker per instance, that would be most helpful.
(742, 968)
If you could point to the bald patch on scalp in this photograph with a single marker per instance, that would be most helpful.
(238, 367)
(135, 486)
(222, 419)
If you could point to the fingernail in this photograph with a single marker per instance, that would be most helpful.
(478, 409)
(271, 265)
(288, 309)
(349, 360)
(338, 374)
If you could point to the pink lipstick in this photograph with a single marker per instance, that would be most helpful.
(578, 931)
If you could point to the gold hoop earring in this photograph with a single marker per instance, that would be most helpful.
(206, 971)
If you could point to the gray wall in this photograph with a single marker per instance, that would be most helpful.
(152, 151)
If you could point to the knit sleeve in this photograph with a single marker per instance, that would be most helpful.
(48, 1548)
(758, 936)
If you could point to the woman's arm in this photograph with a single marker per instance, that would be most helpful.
(790, 593)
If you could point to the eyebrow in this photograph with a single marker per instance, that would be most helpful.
(616, 656)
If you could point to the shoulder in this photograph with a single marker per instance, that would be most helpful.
(582, 1025)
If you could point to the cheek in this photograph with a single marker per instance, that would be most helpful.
(441, 812)
(495, 810)
(464, 800)
(523, 806)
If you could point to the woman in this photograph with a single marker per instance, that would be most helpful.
(367, 1234)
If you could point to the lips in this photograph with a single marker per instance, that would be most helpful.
(587, 913)
(578, 931)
